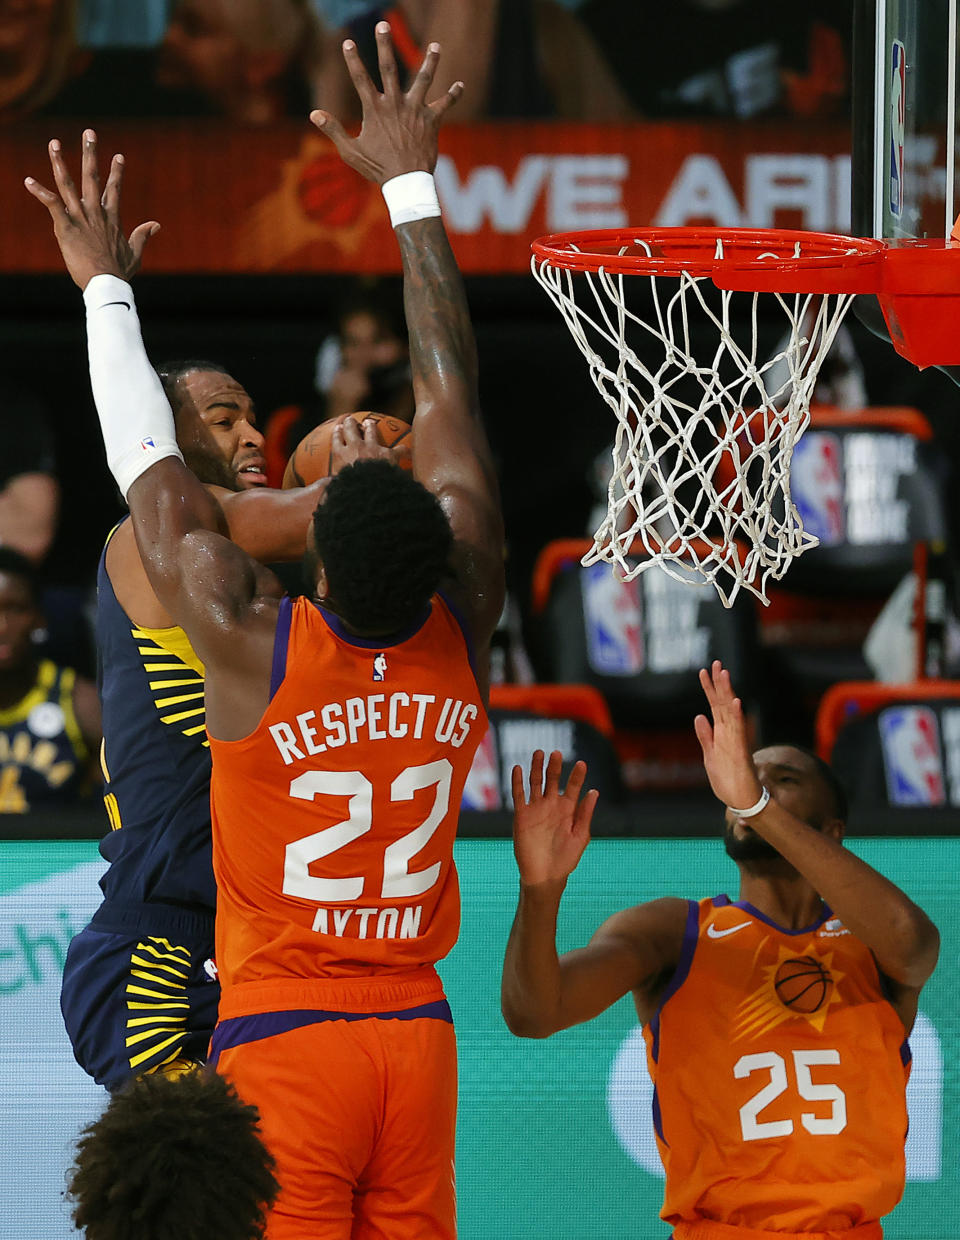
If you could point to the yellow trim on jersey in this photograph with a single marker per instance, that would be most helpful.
(40, 692)
(157, 647)
(68, 681)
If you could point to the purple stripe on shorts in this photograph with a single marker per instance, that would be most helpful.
(281, 640)
(242, 1029)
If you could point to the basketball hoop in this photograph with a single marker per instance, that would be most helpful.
(702, 449)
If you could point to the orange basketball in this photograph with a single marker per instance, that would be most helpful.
(311, 457)
(802, 984)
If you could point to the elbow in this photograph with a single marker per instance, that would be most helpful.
(526, 1024)
(919, 951)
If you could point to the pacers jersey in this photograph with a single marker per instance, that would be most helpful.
(780, 1075)
(334, 820)
(43, 758)
(156, 761)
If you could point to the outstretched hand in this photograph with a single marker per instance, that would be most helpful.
(726, 753)
(399, 130)
(552, 828)
(87, 225)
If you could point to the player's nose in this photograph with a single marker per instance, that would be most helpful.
(250, 436)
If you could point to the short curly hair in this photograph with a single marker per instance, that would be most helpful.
(173, 1159)
(385, 544)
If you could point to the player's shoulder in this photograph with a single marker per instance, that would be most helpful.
(662, 922)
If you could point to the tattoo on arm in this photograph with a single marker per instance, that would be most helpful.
(443, 351)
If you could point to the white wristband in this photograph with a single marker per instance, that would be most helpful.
(412, 196)
(135, 415)
(754, 809)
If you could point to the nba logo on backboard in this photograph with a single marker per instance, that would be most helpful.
(482, 789)
(613, 619)
(816, 483)
(898, 114)
(910, 738)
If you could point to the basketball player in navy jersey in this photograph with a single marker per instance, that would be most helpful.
(49, 716)
(139, 988)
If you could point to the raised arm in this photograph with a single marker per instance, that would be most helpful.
(541, 991)
(205, 582)
(397, 149)
(903, 939)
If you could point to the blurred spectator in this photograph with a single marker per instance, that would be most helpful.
(363, 366)
(607, 60)
(489, 45)
(49, 717)
(37, 46)
(253, 60)
(29, 493)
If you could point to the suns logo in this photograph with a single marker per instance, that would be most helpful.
(792, 987)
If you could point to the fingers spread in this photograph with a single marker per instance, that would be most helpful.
(553, 773)
(139, 238)
(536, 775)
(89, 169)
(50, 200)
(358, 73)
(445, 102)
(516, 787)
(386, 60)
(329, 125)
(575, 781)
(417, 93)
(64, 181)
(584, 814)
(110, 201)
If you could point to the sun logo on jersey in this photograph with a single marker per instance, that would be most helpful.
(804, 987)
(380, 667)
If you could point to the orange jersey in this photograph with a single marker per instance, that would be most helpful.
(334, 821)
(780, 1075)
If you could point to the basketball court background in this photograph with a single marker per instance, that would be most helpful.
(554, 1137)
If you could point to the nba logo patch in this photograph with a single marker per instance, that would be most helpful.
(912, 761)
(613, 618)
(482, 789)
(898, 114)
(380, 667)
(816, 485)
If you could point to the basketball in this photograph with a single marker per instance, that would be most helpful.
(311, 457)
(801, 984)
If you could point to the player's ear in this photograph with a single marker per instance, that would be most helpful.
(834, 828)
(322, 589)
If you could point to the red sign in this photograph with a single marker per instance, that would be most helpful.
(280, 200)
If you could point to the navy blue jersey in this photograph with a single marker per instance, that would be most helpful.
(156, 761)
(43, 758)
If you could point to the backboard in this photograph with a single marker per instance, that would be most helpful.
(905, 182)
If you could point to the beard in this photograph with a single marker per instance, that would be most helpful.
(748, 848)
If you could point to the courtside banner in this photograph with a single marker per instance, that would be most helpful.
(555, 1138)
(281, 200)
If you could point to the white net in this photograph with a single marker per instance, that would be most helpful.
(701, 458)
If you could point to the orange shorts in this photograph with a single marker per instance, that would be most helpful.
(705, 1230)
(360, 1115)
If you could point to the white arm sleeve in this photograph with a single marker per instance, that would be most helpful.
(135, 415)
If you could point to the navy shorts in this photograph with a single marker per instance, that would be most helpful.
(139, 990)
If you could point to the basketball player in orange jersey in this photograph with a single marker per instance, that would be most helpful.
(343, 727)
(776, 1026)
